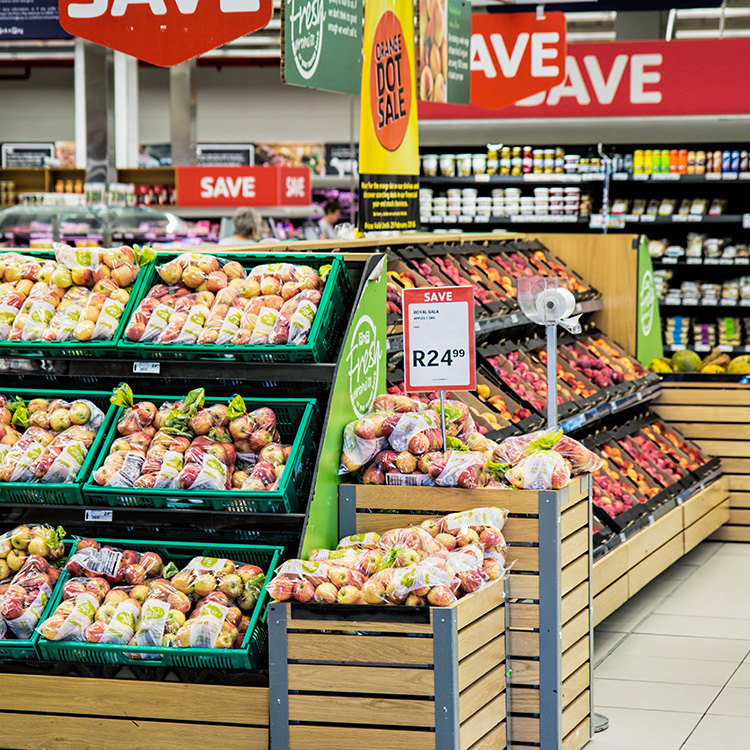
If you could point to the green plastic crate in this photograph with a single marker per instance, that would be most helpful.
(246, 657)
(75, 348)
(296, 421)
(323, 341)
(24, 649)
(58, 493)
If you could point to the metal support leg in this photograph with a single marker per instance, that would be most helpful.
(278, 676)
(445, 646)
(347, 510)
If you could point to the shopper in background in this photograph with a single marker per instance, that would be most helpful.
(332, 213)
(247, 226)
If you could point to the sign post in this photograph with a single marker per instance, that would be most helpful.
(439, 341)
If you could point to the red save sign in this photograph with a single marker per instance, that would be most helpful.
(515, 55)
(163, 32)
(243, 186)
(439, 344)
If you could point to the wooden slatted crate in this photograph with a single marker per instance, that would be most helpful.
(389, 677)
(549, 637)
(38, 712)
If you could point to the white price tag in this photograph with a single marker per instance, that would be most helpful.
(439, 348)
(146, 368)
(648, 218)
(746, 221)
(481, 178)
(104, 516)
(729, 176)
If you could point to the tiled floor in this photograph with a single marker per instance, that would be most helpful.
(673, 664)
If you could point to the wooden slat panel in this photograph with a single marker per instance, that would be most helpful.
(574, 518)
(708, 400)
(575, 629)
(575, 601)
(163, 700)
(523, 615)
(738, 483)
(575, 656)
(524, 700)
(480, 662)
(345, 709)
(655, 536)
(481, 631)
(576, 684)
(610, 599)
(487, 718)
(523, 643)
(574, 573)
(385, 680)
(577, 490)
(525, 559)
(305, 736)
(736, 465)
(370, 649)
(739, 499)
(729, 448)
(610, 567)
(523, 672)
(713, 430)
(523, 586)
(707, 525)
(579, 737)
(521, 530)
(494, 740)
(738, 517)
(44, 731)
(523, 729)
(359, 625)
(697, 506)
(444, 500)
(480, 693)
(574, 546)
(576, 712)
(381, 522)
(655, 563)
(472, 607)
(731, 534)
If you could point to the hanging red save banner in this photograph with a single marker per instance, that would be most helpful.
(515, 55)
(163, 32)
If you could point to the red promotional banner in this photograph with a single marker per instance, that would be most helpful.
(515, 55)
(163, 32)
(632, 79)
(243, 186)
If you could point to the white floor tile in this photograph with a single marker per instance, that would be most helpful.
(653, 696)
(631, 613)
(604, 642)
(720, 733)
(631, 729)
(741, 678)
(683, 647)
(732, 701)
(620, 666)
(716, 602)
(705, 627)
(701, 554)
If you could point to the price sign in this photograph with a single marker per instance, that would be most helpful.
(439, 349)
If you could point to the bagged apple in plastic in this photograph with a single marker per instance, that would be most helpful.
(363, 540)
(95, 561)
(136, 416)
(541, 470)
(265, 325)
(466, 469)
(582, 460)
(69, 624)
(413, 537)
(108, 319)
(409, 432)
(42, 540)
(394, 585)
(477, 526)
(361, 443)
(207, 630)
(64, 322)
(27, 595)
(366, 561)
(196, 319)
(204, 576)
(121, 628)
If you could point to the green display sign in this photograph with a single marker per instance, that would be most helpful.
(322, 44)
(445, 51)
(649, 343)
(360, 376)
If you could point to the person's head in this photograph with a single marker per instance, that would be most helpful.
(332, 210)
(247, 223)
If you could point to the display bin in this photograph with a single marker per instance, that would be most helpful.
(549, 648)
(180, 553)
(76, 348)
(297, 421)
(391, 677)
(24, 649)
(323, 339)
(59, 493)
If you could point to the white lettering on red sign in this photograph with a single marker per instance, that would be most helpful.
(228, 187)
(97, 8)
(295, 187)
(509, 63)
(643, 72)
(446, 296)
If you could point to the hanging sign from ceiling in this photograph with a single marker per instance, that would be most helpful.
(163, 32)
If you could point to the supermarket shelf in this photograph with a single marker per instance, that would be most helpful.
(710, 178)
(692, 303)
(690, 262)
(272, 212)
(334, 181)
(705, 349)
(498, 180)
(579, 421)
(676, 220)
(471, 221)
(500, 322)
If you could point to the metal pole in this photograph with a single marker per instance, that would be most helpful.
(182, 113)
(100, 113)
(353, 161)
(441, 394)
(551, 375)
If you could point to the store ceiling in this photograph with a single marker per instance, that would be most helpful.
(583, 26)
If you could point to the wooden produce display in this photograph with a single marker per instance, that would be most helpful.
(549, 636)
(716, 416)
(69, 713)
(389, 677)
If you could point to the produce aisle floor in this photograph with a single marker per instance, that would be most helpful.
(673, 664)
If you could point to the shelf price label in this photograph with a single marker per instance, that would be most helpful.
(439, 348)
